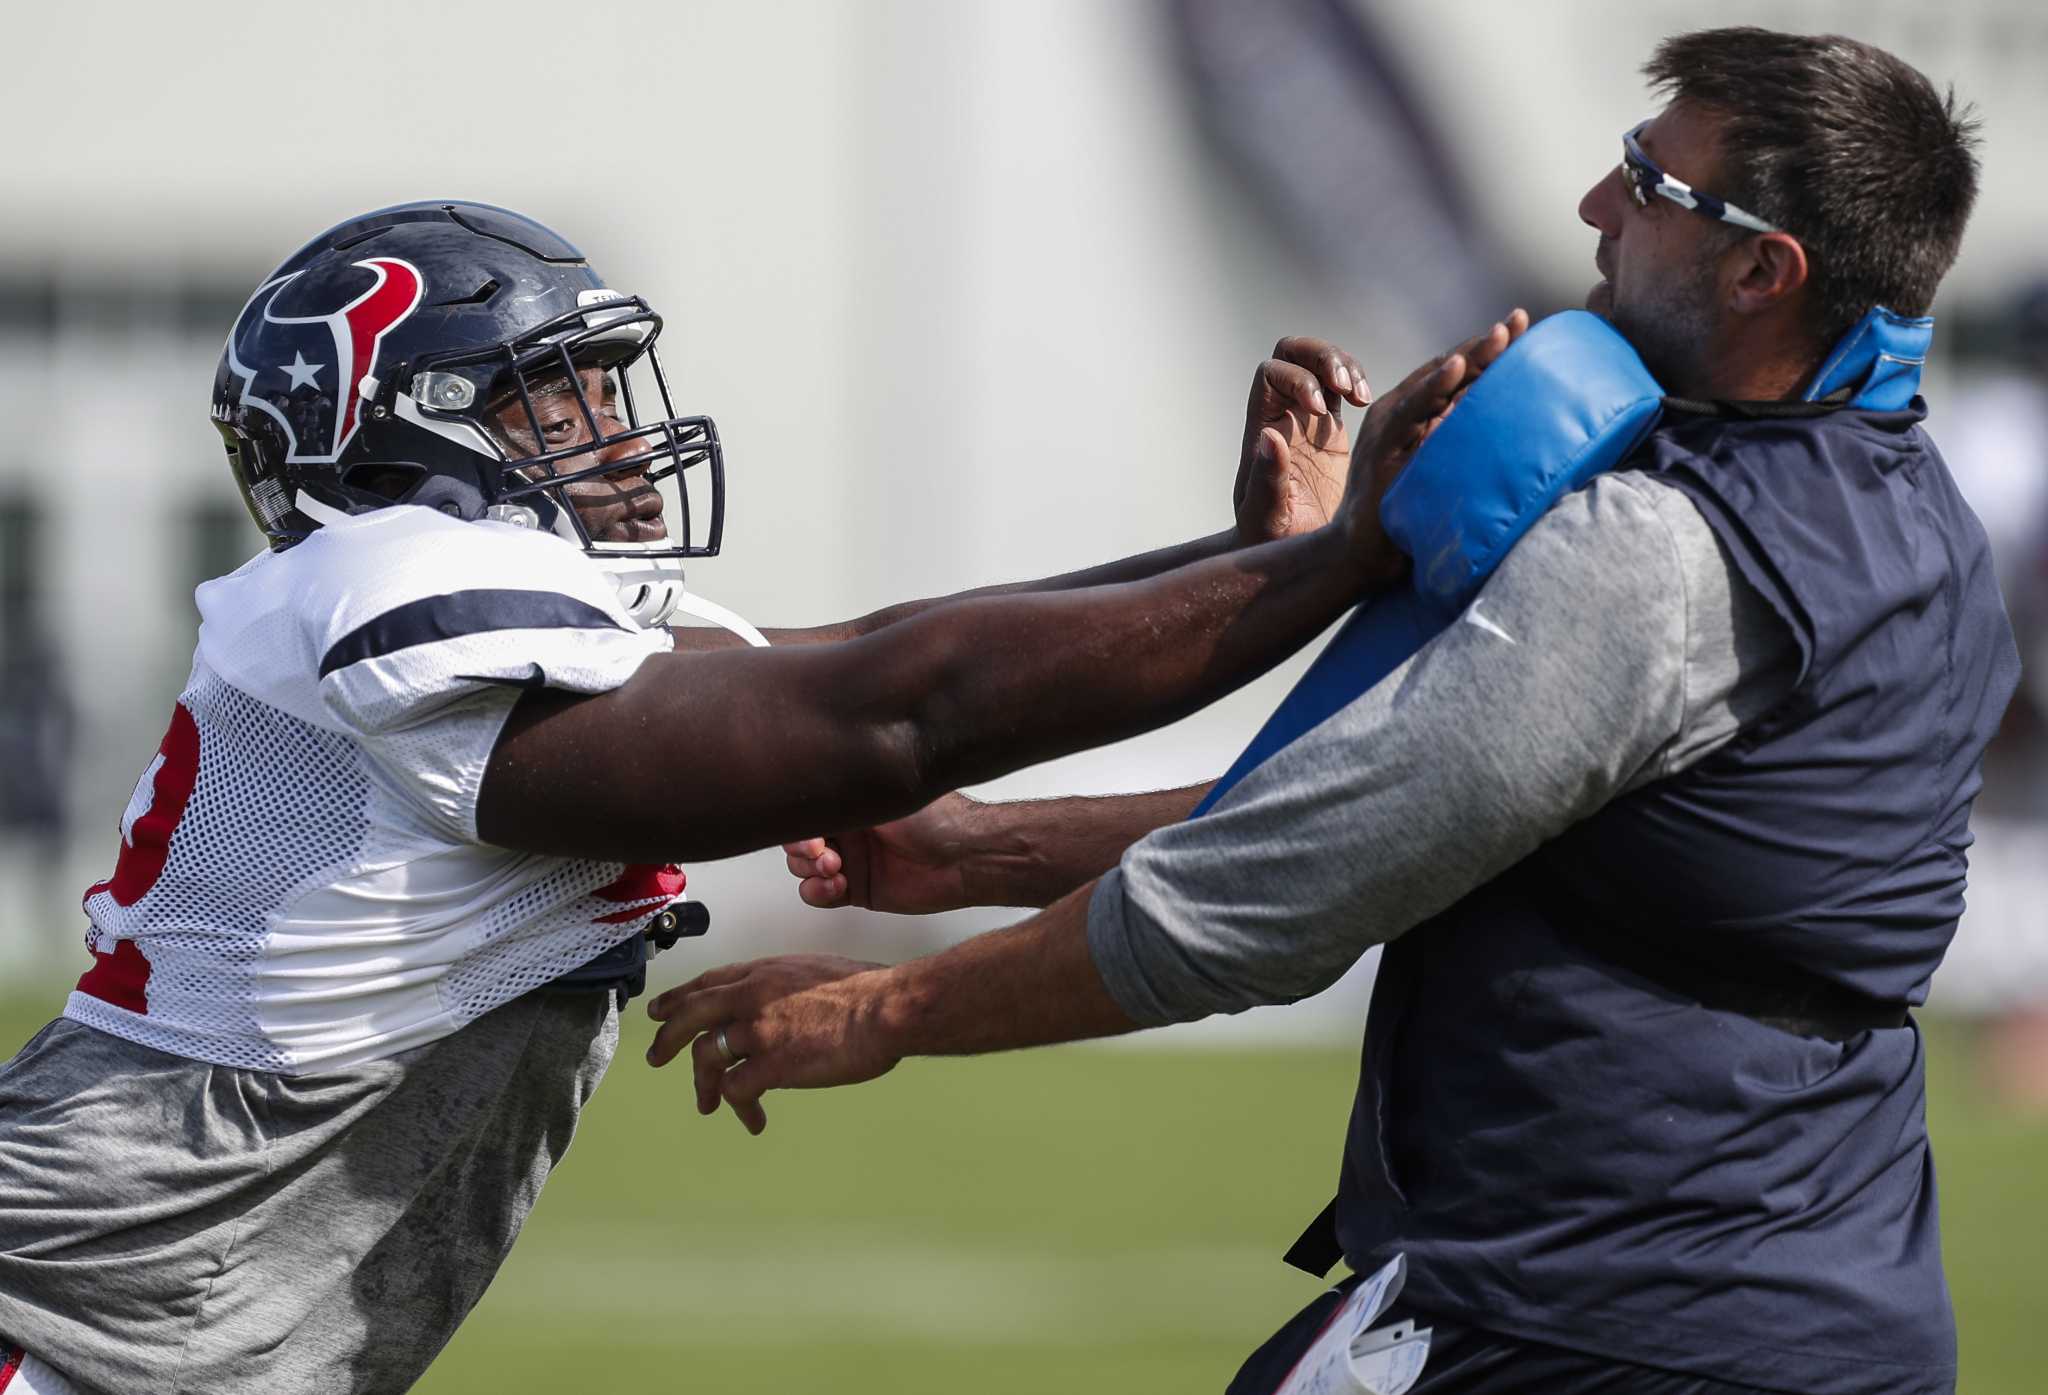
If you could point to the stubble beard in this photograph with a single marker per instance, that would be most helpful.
(1671, 329)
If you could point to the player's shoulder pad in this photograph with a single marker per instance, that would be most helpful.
(383, 616)
(1568, 400)
(382, 581)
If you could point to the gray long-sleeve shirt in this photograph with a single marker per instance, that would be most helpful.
(1616, 645)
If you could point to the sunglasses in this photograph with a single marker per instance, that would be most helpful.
(1645, 177)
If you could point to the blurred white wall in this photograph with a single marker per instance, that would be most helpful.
(966, 294)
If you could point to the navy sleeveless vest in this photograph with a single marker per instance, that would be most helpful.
(1561, 1122)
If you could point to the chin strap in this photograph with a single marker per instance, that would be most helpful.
(320, 512)
(653, 593)
(687, 603)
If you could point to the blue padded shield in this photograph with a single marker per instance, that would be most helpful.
(1568, 400)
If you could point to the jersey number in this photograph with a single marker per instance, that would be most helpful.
(121, 976)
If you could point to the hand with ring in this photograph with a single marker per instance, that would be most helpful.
(733, 1022)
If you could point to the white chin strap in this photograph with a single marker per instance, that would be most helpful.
(312, 508)
(689, 604)
(652, 592)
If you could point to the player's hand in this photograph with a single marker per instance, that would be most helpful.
(1399, 422)
(799, 1021)
(912, 866)
(1298, 393)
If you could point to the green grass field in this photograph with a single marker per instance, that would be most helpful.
(1077, 1220)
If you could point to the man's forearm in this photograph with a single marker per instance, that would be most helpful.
(1032, 984)
(806, 1021)
(1031, 852)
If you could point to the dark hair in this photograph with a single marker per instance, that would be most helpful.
(1844, 146)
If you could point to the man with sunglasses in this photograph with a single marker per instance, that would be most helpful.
(397, 862)
(1664, 837)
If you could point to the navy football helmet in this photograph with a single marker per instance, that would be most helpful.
(399, 358)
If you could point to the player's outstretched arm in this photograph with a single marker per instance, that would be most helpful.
(706, 755)
(1275, 496)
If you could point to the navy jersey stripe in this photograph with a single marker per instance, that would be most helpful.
(462, 613)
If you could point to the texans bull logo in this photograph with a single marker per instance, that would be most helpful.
(316, 395)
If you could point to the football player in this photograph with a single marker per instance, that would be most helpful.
(417, 816)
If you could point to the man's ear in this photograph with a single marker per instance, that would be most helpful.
(1769, 270)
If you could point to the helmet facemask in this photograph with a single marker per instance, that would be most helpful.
(467, 359)
(578, 411)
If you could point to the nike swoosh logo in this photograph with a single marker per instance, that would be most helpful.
(1474, 618)
(535, 677)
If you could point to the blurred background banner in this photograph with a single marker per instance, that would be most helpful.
(973, 289)
(1317, 117)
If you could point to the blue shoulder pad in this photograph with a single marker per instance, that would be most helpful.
(1880, 358)
(1569, 400)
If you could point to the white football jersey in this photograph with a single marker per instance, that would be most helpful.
(300, 885)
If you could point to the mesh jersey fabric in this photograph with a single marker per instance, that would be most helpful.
(300, 885)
